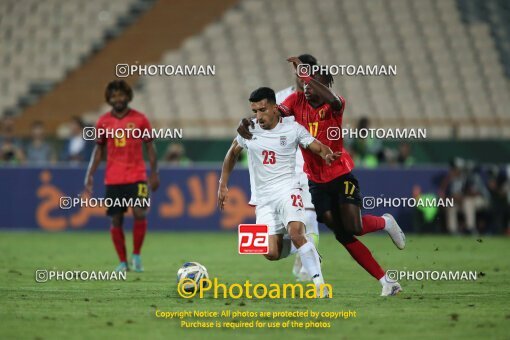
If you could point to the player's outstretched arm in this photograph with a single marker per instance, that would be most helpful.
(326, 94)
(153, 161)
(324, 151)
(228, 165)
(95, 160)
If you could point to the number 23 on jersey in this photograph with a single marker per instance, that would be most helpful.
(269, 157)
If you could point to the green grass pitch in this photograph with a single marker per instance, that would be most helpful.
(126, 310)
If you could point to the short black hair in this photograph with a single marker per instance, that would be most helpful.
(308, 59)
(263, 93)
(118, 85)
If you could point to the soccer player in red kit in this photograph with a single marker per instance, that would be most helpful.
(125, 177)
(334, 189)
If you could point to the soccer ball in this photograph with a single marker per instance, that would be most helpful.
(193, 271)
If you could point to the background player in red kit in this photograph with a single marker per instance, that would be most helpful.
(125, 175)
(334, 189)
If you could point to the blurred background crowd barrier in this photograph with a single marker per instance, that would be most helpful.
(453, 79)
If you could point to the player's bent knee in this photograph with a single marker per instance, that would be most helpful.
(296, 229)
(117, 221)
(297, 233)
(328, 219)
(297, 236)
(354, 229)
(272, 256)
(300, 238)
(139, 214)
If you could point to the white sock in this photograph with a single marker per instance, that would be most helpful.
(387, 221)
(385, 280)
(312, 226)
(288, 248)
(311, 262)
(309, 238)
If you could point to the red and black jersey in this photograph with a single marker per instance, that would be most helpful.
(325, 125)
(124, 155)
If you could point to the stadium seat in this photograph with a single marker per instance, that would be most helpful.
(451, 57)
(50, 38)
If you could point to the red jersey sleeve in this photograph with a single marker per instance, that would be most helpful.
(287, 106)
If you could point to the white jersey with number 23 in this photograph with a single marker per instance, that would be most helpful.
(272, 154)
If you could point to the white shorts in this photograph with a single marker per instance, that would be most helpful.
(280, 211)
(312, 226)
(307, 197)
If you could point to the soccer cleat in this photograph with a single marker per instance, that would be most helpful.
(298, 270)
(391, 289)
(298, 265)
(122, 267)
(397, 235)
(137, 263)
(325, 295)
(303, 276)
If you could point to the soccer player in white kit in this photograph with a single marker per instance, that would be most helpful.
(311, 224)
(272, 152)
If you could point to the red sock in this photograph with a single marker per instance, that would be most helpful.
(118, 242)
(139, 229)
(372, 223)
(364, 257)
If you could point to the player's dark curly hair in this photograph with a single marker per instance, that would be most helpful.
(118, 85)
(328, 78)
(263, 93)
(309, 59)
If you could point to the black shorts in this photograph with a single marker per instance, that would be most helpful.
(138, 192)
(328, 196)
